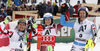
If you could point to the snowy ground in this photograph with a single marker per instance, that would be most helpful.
(58, 47)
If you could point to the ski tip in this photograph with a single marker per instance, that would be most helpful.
(39, 26)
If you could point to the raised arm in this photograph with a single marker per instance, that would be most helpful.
(64, 23)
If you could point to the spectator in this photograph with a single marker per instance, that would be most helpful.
(49, 8)
(84, 1)
(71, 10)
(23, 4)
(98, 8)
(27, 8)
(17, 2)
(2, 15)
(19, 8)
(33, 2)
(14, 7)
(23, 9)
(23, 1)
(39, 10)
(43, 8)
(32, 7)
(55, 9)
(64, 8)
(9, 11)
(77, 6)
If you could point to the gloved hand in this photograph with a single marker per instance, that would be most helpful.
(64, 8)
(89, 44)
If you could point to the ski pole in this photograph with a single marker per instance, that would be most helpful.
(49, 48)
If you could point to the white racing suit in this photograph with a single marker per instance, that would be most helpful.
(17, 41)
(83, 32)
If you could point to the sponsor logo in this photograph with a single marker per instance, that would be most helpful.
(80, 39)
(48, 38)
(64, 32)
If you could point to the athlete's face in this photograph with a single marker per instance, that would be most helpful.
(82, 15)
(21, 26)
(47, 22)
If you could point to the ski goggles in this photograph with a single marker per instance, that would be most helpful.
(47, 17)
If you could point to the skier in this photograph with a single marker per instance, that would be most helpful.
(49, 32)
(4, 26)
(17, 39)
(84, 29)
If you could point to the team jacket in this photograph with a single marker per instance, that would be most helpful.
(4, 38)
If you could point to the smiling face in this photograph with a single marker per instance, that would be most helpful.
(48, 21)
(21, 26)
(82, 15)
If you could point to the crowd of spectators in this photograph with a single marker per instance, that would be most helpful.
(42, 8)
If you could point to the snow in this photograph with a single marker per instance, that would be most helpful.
(58, 47)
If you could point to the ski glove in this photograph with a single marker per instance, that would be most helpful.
(6, 31)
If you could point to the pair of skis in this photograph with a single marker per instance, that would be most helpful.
(30, 36)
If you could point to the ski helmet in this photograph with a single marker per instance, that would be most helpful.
(85, 9)
(31, 19)
(47, 16)
(22, 20)
(9, 18)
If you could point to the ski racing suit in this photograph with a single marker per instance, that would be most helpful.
(4, 37)
(17, 40)
(83, 32)
(49, 36)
